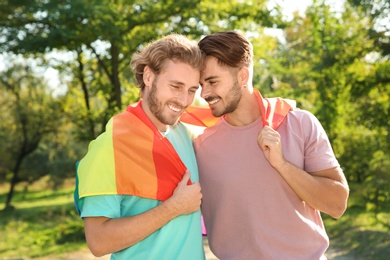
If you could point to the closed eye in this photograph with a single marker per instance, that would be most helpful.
(192, 90)
(212, 80)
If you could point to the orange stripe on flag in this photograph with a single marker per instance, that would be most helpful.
(135, 170)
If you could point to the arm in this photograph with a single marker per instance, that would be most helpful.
(325, 190)
(105, 235)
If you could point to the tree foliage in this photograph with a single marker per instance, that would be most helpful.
(335, 63)
(104, 34)
(334, 67)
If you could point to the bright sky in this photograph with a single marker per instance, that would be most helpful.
(290, 6)
(2, 66)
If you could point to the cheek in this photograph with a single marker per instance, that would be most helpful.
(190, 98)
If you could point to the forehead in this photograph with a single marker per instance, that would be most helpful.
(180, 72)
(213, 68)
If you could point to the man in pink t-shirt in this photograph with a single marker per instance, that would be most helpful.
(263, 189)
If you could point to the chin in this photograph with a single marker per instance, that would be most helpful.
(216, 113)
(172, 122)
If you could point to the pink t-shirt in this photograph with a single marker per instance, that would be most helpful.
(250, 212)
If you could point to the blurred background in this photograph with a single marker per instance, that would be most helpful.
(64, 71)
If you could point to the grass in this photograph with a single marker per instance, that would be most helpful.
(44, 223)
(359, 233)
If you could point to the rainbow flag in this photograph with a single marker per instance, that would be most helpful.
(133, 158)
(272, 110)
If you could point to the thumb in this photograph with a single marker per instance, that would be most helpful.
(186, 178)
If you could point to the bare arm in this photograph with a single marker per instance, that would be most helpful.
(325, 190)
(105, 235)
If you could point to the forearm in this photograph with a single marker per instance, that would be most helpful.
(106, 235)
(326, 191)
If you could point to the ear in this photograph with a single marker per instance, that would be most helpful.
(148, 76)
(243, 76)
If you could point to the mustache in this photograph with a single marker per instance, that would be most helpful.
(177, 104)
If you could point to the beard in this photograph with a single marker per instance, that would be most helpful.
(232, 99)
(157, 107)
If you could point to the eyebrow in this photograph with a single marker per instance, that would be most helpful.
(211, 77)
(182, 84)
(176, 82)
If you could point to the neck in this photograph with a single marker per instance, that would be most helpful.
(157, 123)
(247, 111)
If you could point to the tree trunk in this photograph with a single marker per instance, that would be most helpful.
(14, 181)
(84, 87)
(117, 93)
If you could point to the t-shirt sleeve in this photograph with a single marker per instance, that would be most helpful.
(101, 206)
(319, 154)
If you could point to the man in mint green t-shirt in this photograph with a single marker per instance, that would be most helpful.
(137, 187)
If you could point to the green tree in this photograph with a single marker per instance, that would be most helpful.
(29, 113)
(104, 34)
(378, 11)
(334, 67)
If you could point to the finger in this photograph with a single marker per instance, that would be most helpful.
(264, 147)
(186, 178)
(260, 141)
(264, 143)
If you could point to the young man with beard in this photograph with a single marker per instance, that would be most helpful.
(263, 189)
(137, 187)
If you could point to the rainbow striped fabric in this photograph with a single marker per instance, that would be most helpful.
(132, 157)
(272, 110)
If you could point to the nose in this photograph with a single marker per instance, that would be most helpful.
(205, 92)
(184, 99)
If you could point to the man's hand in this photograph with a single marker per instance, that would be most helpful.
(105, 235)
(270, 142)
(186, 197)
(325, 190)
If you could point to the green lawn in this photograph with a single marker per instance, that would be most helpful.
(44, 223)
(358, 232)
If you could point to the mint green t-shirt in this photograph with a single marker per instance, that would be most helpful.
(181, 238)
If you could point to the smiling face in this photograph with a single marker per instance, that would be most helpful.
(220, 87)
(168, 94)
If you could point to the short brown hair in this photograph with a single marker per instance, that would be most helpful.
(230, 48)
(174, 47)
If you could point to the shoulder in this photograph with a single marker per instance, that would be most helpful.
(103, 140)
(208, 133)
(303, 120)
(192, 130)
(301, 115)
(304, 125)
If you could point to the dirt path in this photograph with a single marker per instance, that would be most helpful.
(336, 254)
(85, 254)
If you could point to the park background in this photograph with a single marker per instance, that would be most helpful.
(64, 71)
